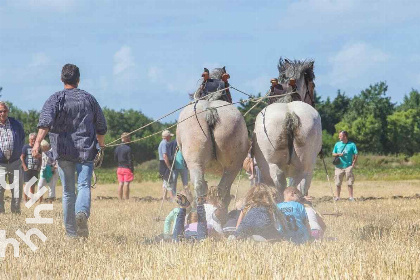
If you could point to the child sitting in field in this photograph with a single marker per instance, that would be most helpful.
(196, 231)
(207, 217)
(168, 227)
(260, 217)
(297, 227)
(316, 222)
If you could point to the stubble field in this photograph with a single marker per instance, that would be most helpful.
(372, 239)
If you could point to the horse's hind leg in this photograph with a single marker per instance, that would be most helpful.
(302, 182)
(305, 183)
(278, 176)
(197, 178)
(225, 183)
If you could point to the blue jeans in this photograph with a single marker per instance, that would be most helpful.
(184, 176)
(201, 225)
(73, 203)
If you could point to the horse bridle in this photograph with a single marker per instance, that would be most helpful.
(307, 89)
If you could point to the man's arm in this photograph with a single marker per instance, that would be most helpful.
(166, 159)
(101, 140)
(354, 160)
(42, 132)
(22, 159)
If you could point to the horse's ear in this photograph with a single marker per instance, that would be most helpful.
(287, 61)
(312, 64)
(206, 70)
(224, 69)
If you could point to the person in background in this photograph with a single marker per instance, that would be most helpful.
(49, 174)
(165, 164)
(31, 165)
(347, 152)
(12, 139)
(125, 170)
(180, 168)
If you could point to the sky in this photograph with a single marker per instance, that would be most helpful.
(149, 55)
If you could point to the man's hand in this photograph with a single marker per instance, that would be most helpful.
(25, 168)
(35, 150)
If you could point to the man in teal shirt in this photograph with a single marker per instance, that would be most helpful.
(347, 153)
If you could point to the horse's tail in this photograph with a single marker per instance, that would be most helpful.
(291, 125)
(212, 118)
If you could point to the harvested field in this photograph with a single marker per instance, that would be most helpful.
(372, 239)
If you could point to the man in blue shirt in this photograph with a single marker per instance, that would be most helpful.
(12, 138)
(166, 150)
(76, 124)
(347, 153)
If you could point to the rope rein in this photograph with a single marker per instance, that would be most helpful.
(252, 99)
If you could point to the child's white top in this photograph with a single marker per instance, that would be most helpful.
(212, 222)
(313, 220)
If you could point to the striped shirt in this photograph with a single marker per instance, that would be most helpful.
(6, 139)
(73, 118)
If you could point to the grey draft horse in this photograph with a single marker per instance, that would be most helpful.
(288, 134)
(217, 132)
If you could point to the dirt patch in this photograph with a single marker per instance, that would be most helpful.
(135, 198)
(362, 198)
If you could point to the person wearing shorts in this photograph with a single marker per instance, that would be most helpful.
(30, 165)
(125, 169)
(347, 153)
(180, 168)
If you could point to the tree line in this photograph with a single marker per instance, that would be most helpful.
(373, 122)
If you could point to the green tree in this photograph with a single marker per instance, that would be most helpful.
(332, 112)
(412, 101)
(404, 131)
(127, 121)
(245, 106)
(372, 103)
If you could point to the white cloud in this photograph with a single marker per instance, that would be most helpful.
(355, 63)
(123, 61)
(155, 74)
(39, 59)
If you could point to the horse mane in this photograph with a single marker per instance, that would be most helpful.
(289, 69)
(217, 73)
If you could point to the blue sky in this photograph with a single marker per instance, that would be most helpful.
(148, 55)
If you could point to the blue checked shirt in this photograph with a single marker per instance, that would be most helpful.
(73, 117)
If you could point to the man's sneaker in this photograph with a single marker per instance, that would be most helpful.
(351, 199)
(336, 198)
(81, 223)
